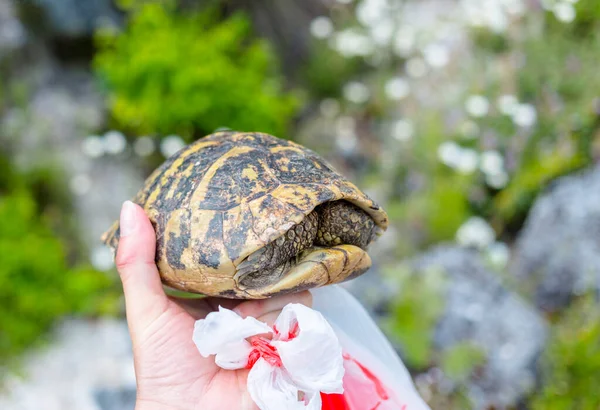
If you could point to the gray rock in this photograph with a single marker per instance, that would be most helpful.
(116, 399)
(75, 18)
(12, 33)
(85, 357)
(558, 251)
(480, 310)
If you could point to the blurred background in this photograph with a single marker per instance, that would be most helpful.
(475, 123)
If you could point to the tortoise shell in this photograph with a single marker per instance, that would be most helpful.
(227, 195)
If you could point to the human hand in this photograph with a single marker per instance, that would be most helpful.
(170, 372)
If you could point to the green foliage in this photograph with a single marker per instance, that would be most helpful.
(414, 314)
(325, 72)
(190, 74)
(459, 361)
(519, 195)
(36, 283)
(571, 363)
(438, 207)
(437, 212)
(488, 40)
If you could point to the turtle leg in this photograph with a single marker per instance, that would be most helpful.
(341, 222)
(268, 264)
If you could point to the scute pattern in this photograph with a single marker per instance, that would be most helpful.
(227, 195)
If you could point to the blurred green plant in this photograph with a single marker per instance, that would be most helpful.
(571, 363)
(325, 72)
(415, 312)
(557, 83)
(458, 365)
(189, 73)
(37, 285)
(516, 199)
(459, 361)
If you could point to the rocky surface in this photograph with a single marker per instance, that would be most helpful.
(75, 18)
(89, 366)
(12, 32)
(116, 399)
(558, 251)
(480, 310)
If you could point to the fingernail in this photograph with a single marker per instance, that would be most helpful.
(127, 221)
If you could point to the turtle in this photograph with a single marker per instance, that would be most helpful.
(246, 215)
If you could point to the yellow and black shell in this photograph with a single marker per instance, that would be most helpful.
(226, 196)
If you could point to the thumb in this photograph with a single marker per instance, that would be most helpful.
(145, 299)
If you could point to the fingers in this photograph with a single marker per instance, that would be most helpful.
(145, 298)
(199, 308)
(267, 310)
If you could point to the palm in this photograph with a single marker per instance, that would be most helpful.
(170, 364)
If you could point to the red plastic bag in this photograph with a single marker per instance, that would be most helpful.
(362, 391)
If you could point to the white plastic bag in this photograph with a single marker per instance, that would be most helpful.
(303, 359)
(332, 357)
(375, 376)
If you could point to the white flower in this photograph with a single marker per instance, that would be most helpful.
(356, 92)
(397, 88)
(93, 146)
(321, 27)
(371, 12)
(80, 184)
(382, 32)
(464, 160)
(346, 142)
(488, 13)
(492, 163)
(403, 130)
(171, 145)
(467, 161)
(404, 41)
(475, 232)
(345, 125)
(416, 67)
(498, 180)
(524, 115)
(114, 142)
(436, 55)
(102, 258)
(351, 43)
(515, 7)
(564, 12)
(496, 19)
(477, 105)
(346, 138)
(508, 104)
(303, 358)
(498, 253)
(329, 107)
(449, 153)
(144, 146)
